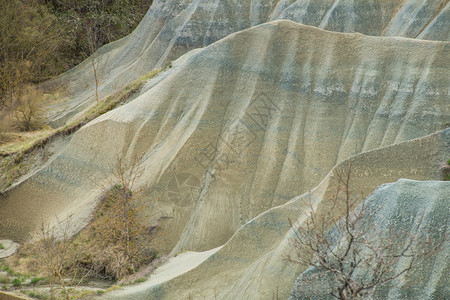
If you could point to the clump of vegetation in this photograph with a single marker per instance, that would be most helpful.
(445, 170)
(29, 40)
(91, 24)
(16, 282)
(116, 244)
(121, 241)
(1, 246)
(40, 39)
(27, 109)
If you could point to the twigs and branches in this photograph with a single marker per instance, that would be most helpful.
(59, 259)
(355, 256)
(29, 43)
(27, 109)
(117, 243)
(123, 238)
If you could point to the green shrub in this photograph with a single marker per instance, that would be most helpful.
(16, 282)
(36, 295)
(140, 280)
(35, 280)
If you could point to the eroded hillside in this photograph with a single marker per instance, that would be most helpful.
(236, 136)
(172, 28)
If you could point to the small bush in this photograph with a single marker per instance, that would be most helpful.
(35, 280)
(114, 245)
(16, 282)
(36, 295)
(28, 109)
(140, 280)
(118, 241)
(1, 246)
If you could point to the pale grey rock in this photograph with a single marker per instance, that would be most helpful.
(401, 206)
(279, 112)
(9, 248)
(172, 28)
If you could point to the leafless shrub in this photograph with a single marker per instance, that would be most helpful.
(27, 109)
(353, 259)
(59, 258)
(116, 244)
(123, 241)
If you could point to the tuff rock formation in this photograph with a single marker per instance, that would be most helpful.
(233, 137)
(172, 28)
(400, 208)
(252, 264)
(255, 119)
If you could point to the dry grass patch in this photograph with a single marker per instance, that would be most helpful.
(21, 141)
(17, 148)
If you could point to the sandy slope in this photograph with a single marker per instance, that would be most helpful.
(172, 28)
(252, 264)
(174, 267)
(253, 120)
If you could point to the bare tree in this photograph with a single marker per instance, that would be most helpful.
(98, 69)
(353, 256)
(27, 109)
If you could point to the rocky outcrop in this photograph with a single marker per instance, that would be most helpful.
(172, 28)
(400, 208)
(230, 136)
(253, 265)
(253, 120)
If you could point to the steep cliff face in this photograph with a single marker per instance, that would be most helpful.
(400, 208)
(172, 28)
(254, 120)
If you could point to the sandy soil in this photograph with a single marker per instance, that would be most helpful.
(174, 267)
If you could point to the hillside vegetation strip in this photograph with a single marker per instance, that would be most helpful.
(15, 157)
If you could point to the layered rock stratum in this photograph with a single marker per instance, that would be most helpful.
(238, 135)
(172, 28)
(253, 131)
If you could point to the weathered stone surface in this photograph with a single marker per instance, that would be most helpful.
(172, 28)
(252, 264)
(8, 248)
(234, 132)
(401, 207)
(256, 119)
